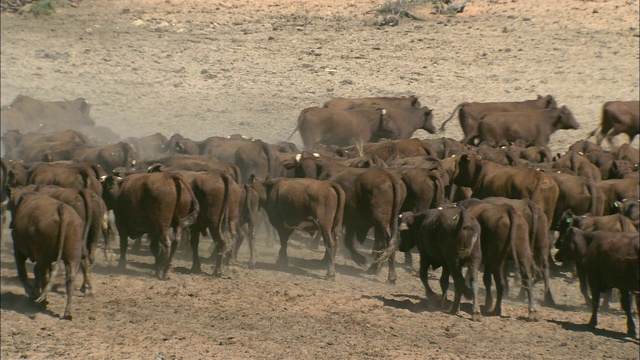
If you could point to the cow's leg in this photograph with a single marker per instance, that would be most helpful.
(137, 244)
(625, 301)
(378, 248)
(444, 285)
(194, 242)
(315, 243)
(486, 279)
(167, 248)
(154, 246)
(330, 251)
(473, 271)
(22, 273)
(252, 248)
(408, 259)
(595, 302)
(460, 287)
(124, 242)
(527, 284)
(70, 272)
(219, 250)
(424, 274)
(348, 243)
(582, 278)
(606, 299)
(498, 277)
(544, 266)
(283, 259)
(85, 265)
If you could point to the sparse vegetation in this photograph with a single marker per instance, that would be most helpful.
(42, 7)
(391, 11)
(448, 7)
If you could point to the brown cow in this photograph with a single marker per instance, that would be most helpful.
(490, 179)
(16, 144)
(446, 147)
(304, 204)
(148, 147)
(504, 231)
(383, 102)
(193, 163)
(108, 157)
(449, 238)
(579, 164)
(390, 149)
(629, 208)
(46, 231)
(618, 190)
(151, 204)
(471, 113)
(373, 199)
(610, 260)
(577, 194)
(618, 117)
(69, 174)
(535, 127)
(401, 123)
(55, 114)
(14, 120)
(336, 126)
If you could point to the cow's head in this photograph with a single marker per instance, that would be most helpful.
(84, 107)
(407, 238)
(566, 120)
(110, 186)
(468, 234)
(303, 165)
(547, 102)
(427, 125)
(567, 221)
(572, 247)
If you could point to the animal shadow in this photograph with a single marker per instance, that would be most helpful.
(291, 269)
(623, 337)
(23, 305)
(415, 304)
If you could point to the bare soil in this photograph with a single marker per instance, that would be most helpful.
(204, 68)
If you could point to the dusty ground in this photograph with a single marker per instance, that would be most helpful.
(206, 68)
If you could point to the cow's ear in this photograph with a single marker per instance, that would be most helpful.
(465, 159)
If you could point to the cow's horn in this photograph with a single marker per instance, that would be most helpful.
(316, 155)
(384, 111)
(133, 162)
(102, 178)
(298, 157)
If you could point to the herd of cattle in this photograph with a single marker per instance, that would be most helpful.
(497, 196)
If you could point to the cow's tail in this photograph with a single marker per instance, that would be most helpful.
(624, 224)
(450, 117)
(512, 236)
(297, 128)
(269, 152)
(88, 209)
(339, 215)
(533, 232)
(438, 194)
(536, 189)
(594, 197)
(224, 214)
(62, 232)
(195, 206)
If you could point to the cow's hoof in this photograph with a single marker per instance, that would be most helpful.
(87, 291)
(632, 334)
(67, 317)
(533, 316)
(251, 266)
(476, 317)
(391, 281)
(330, 277)
(122, 264)
(196, 270)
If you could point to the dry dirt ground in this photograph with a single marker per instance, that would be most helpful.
(206, 68)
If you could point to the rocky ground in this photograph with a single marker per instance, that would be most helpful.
(206, 68)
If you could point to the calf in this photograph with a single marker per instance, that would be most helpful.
(401, 123)
(46, 231)
(108, 157)
(610, 260)
(448, 238)
(579, 164)
(151, 204)
(68, 174)
(304, 204)
(534, 127)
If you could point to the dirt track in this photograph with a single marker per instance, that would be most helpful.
(212, 68)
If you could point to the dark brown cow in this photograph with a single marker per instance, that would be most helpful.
(627, 152)
(579, 164)
(373, 199)
(629, 208)
(337, 126)
(46, 231)
(68, 174)
(60, 114)
(401, 123)
(382, 102)
(13, 119)
(612, 223)
(618, 190)
(304, 204)
(108, 157)
(577, 194)
(194, 163)
(471, 113)
(535, 127)
(490, 179)
(610, 260)
(151, 204)
(618, 117)
(449, 238)
(446, 147)
(402, 148)
(258, 158)
(504, 235)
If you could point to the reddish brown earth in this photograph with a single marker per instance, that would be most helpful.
(206, 68)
